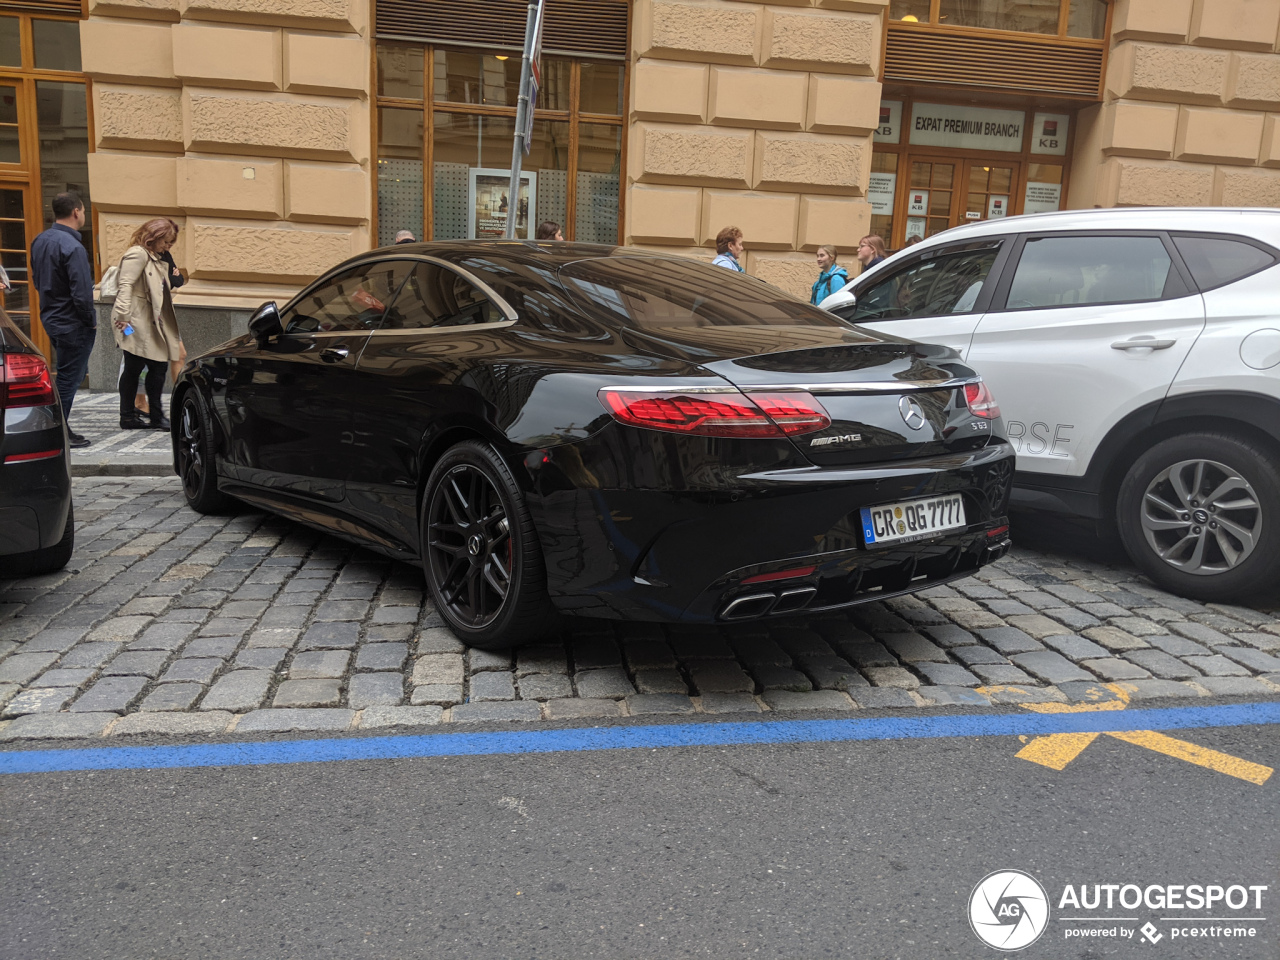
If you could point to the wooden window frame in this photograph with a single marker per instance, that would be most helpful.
(429, 106)
(1064, 16)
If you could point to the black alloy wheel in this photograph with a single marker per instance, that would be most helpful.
(195, 457)
(481, 555)
(1200, 514)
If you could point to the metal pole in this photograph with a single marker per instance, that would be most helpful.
(522, 110)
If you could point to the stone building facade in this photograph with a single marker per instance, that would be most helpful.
(286, 135)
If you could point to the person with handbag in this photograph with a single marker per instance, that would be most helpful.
(144, 322)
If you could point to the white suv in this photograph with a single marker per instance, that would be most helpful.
(1135, 354)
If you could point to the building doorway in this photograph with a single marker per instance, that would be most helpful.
(15, 208)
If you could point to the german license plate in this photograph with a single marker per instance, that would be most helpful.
(913, 520)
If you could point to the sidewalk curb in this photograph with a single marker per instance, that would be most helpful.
(121, 469)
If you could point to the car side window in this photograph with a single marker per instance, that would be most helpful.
(1217, 261)
(437, 297)
(948, 283)
(354, 300)
(1077, 271)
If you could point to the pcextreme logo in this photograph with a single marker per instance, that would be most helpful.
(1008, 910)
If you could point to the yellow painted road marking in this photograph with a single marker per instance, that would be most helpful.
(1201, 756)
(1057, 750)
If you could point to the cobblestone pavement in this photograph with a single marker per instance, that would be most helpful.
(173, 623)
(114, 451)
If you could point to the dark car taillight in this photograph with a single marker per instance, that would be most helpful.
(25, 381)
(723, 413)
(977, 396)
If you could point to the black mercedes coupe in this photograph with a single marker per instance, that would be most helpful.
(561, 428)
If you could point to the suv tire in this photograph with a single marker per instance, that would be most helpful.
(1200, 514)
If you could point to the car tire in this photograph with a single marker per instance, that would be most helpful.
(193, 434)
(480, 552)
(1200, 514)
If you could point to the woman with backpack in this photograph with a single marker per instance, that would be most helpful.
(831, 277)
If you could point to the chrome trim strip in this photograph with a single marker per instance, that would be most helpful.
(864, 386)
(461, 328)
(728, 612)
(488, 291)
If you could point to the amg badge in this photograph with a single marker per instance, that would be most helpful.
(843, 438)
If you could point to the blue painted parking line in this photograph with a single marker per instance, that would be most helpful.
(632, 737)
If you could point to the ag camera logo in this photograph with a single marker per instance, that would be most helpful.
(1008, 910)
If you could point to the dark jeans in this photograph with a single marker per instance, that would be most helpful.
(156, 372)
(73, 363)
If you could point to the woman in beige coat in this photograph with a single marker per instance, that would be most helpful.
(144, 323)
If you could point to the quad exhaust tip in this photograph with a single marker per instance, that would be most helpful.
(762, 604)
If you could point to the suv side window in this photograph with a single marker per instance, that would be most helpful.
(947, 282)
(1217, 261)
(1074, 271)
(438, 297)
(353, 300)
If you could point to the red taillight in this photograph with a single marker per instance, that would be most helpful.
(980, 401)
(725, 413)
(29, 457)
(794, 412)
(24, 381)
(781, 575)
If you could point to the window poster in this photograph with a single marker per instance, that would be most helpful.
(1042, 197)
(1049, 134)
(968, 128)
(997, 207)
(889, 129)
(490, 206)
(915, 227)
(880, 193)
(917, 203)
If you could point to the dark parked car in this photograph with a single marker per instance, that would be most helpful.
(592, 430)
(37, 529)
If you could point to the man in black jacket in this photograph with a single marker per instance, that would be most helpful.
(62, 275)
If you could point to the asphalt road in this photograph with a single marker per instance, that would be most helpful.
(841, 849)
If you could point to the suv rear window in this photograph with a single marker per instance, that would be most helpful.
(1217, 261)
(1073, 271)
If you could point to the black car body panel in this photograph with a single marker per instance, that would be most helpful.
(35, 494)
(340, 429)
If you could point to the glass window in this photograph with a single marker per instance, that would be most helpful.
(437, 297)
(1069, 271)
(10, 42)
(399, 173)
(883, 190)
(10, 151)
(63, 125)
(468, 76)
(912, 11)
(354, 300)
(630, 292)
(946, 283)
(1022, 16)
(1087, 18)
(13, 256)
(599, 169)
(400, 71)
(57, 44)
(1216, 261)
(601, 90)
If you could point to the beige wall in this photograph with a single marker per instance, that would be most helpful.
(755, 115)
(247, 122)
(1190, 112)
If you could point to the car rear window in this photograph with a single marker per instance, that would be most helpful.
(654, 294)
(1217, 261)
(1074, 271)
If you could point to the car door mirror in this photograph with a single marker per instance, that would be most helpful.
(265, 322)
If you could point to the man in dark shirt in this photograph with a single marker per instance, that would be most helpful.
(62, 275)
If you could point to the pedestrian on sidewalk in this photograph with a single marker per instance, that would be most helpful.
(729, 248)
(831, 276)
(176, 279)
(549, 230)
(144, 322)
(871, 251)
(64, 280)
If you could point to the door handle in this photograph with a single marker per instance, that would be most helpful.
(1143, 343)
(334, 354)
